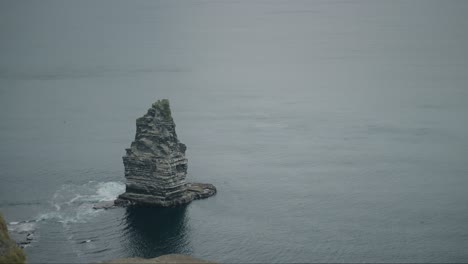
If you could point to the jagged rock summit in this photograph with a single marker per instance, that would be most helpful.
(156, 166)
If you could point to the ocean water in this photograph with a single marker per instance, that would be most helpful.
(335, 131)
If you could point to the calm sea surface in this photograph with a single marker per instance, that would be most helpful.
(335, 131)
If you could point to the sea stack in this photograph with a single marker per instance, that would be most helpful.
(156, 166)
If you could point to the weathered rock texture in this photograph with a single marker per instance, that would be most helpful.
(156, 166)
(9, 251)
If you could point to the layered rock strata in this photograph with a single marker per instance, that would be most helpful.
(156, 166)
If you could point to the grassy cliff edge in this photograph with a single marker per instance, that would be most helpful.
(171, 258)
(9, 251)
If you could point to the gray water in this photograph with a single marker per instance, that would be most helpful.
(335, 131)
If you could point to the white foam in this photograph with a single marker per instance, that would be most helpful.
(109, 191)
(75, 199)
(82, 214)
(74, 203)
(22, 227)
(49, 216)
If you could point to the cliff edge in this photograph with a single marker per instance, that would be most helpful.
(172, 258)
(9, 251)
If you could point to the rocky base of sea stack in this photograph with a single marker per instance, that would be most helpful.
(194, 191)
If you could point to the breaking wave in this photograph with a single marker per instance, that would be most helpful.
(72, 204)
(22, 227)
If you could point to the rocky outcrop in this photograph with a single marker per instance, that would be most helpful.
(156, 166)
(172, 258)
(9, 251)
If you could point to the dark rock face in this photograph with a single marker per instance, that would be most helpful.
(156, 166)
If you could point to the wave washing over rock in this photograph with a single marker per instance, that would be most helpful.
(156, 166)
(70, 204)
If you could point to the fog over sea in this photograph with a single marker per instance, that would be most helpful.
(335, 131)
